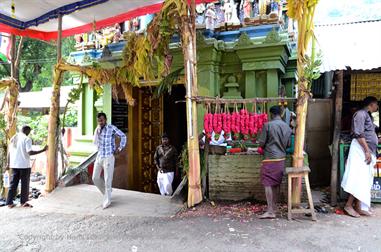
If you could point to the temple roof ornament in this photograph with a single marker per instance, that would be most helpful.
(244, 40)
(272, 37)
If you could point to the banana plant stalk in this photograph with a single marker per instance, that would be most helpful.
(303, 12)
(188, 40)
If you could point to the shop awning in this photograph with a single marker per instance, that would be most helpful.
(352, 45)
(38, 18)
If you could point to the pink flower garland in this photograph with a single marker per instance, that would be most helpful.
(226, 124)
(244, 117)
(217, 125)
(236, 123)
(208, 124)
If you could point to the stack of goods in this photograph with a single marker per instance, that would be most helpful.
(365, 84)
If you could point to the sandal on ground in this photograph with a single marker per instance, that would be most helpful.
(11, 205)
(27, 205)
(267, 215)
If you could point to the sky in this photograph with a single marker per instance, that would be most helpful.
(343, 11)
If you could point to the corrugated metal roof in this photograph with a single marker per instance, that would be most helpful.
(41, 99)
(355, 45)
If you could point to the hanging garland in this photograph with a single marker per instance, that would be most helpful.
(241, 124)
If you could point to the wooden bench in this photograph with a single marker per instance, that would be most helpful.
(292, 173)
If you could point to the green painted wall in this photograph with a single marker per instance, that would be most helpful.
(260, 66)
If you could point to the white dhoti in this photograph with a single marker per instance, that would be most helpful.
(164, 181)
(358, 175)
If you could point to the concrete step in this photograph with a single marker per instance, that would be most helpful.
(75, 160)
(81, 149)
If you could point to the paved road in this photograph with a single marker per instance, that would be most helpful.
(30, 230)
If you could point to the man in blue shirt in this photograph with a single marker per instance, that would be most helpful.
(104, 139)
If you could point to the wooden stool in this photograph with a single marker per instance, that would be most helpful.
(300, 173)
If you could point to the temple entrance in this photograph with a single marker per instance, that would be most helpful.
(175, 120)
(148, 120)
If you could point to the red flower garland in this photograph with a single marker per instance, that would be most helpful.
(244, 117)
(262, 120)
(226, 124)
(253, 130)
(208, 124)
(217, 125)
(236, 122)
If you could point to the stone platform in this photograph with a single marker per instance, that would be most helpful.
(86, 199)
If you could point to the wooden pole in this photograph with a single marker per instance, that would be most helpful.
(13, 55)
(188, 37)
(54, 117)
(336, 136)
(59, 39)
(13, 93)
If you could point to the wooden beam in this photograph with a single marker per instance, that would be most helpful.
(53, 132)
(336, 135)
(204, 99)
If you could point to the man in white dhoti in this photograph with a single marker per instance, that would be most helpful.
(165, 160)
(358, 176)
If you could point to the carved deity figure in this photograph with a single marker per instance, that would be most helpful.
(247, 7)
(200, 11)
(234, 18)
(210, 17)
(228, 8)
(118, 33)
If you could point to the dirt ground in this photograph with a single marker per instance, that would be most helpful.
(197, 230)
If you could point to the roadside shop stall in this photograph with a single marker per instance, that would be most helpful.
(357, 86)
(232, 154)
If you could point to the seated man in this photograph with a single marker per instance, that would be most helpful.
(165, 160)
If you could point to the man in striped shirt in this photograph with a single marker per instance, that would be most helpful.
(104, 139)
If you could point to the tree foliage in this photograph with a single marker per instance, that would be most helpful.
(37, 59)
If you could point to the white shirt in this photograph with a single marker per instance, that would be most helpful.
(19, 147)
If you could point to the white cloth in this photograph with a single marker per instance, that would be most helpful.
(221, 140)
(20, 145)
(104, 184)
(96, 135)
(358, 176)
(164, 181)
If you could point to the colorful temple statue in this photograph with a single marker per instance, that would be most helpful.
(255, 9)
(111, 34)
(234, 19)
(117, 33)
(262, 7)
(210, 17)
(200, 10)
(228, 9)
(247, 8)
(135, 24)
